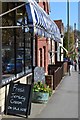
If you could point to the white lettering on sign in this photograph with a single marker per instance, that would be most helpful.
(16, 108)
(9, 107)
(16, 88)
(23, 109)
(19, 97)
(15, 102)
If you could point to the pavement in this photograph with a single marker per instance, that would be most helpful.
(62, 104)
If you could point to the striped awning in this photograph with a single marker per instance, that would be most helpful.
(41, 21)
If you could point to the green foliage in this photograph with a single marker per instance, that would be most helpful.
(71, 40)
(40, 87)
(65, 41)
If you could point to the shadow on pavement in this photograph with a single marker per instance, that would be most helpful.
(40, 118)
(17, 118)
(13, 118)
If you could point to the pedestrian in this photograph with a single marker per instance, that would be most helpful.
(79, 64)
(69, 63)
(75, 64)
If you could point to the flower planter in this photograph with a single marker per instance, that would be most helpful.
(40, 97)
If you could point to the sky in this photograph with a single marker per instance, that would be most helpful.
(58, 10)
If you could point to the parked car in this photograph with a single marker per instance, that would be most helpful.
(4, 65)
(11, 66)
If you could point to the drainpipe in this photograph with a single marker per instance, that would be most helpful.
(32, 55)
(55, 52)
(14, 40)
(24, 40)
(0, 57)
(51, 52)
(0, 45)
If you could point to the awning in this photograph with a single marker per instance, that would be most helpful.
(64, 49)
(41, 22)
(38, 21)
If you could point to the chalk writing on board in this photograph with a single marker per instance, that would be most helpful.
(17, 89)
(19, 96)
(17, 108)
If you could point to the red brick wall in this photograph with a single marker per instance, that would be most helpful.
(45, 6)
(60, 25)
(41, 43)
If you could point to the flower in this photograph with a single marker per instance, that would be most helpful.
(41, 87)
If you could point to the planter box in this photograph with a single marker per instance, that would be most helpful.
(49, 80)
(40, 97)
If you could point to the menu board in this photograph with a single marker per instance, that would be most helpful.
(19, 99)
(39, 74)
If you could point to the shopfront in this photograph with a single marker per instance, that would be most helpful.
(20, 23)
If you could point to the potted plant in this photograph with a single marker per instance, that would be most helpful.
(41, 92)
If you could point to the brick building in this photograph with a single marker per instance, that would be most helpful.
(42, 43)
(45, 47)
(59, 47)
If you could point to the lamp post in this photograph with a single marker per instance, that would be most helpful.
(68, 22)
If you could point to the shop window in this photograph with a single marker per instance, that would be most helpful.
(16, 43)
(7, 45)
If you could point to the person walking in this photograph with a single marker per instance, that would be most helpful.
(69, 63)
(79, 64)
(75, 64)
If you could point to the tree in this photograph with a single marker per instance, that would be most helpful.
(71, 40)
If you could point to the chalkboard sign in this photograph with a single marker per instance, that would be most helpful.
(19, 99)
(39, 74)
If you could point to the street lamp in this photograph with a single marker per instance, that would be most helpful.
(68, 22)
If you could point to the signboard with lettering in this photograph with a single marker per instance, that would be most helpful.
(39, 74)
(19, 100)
